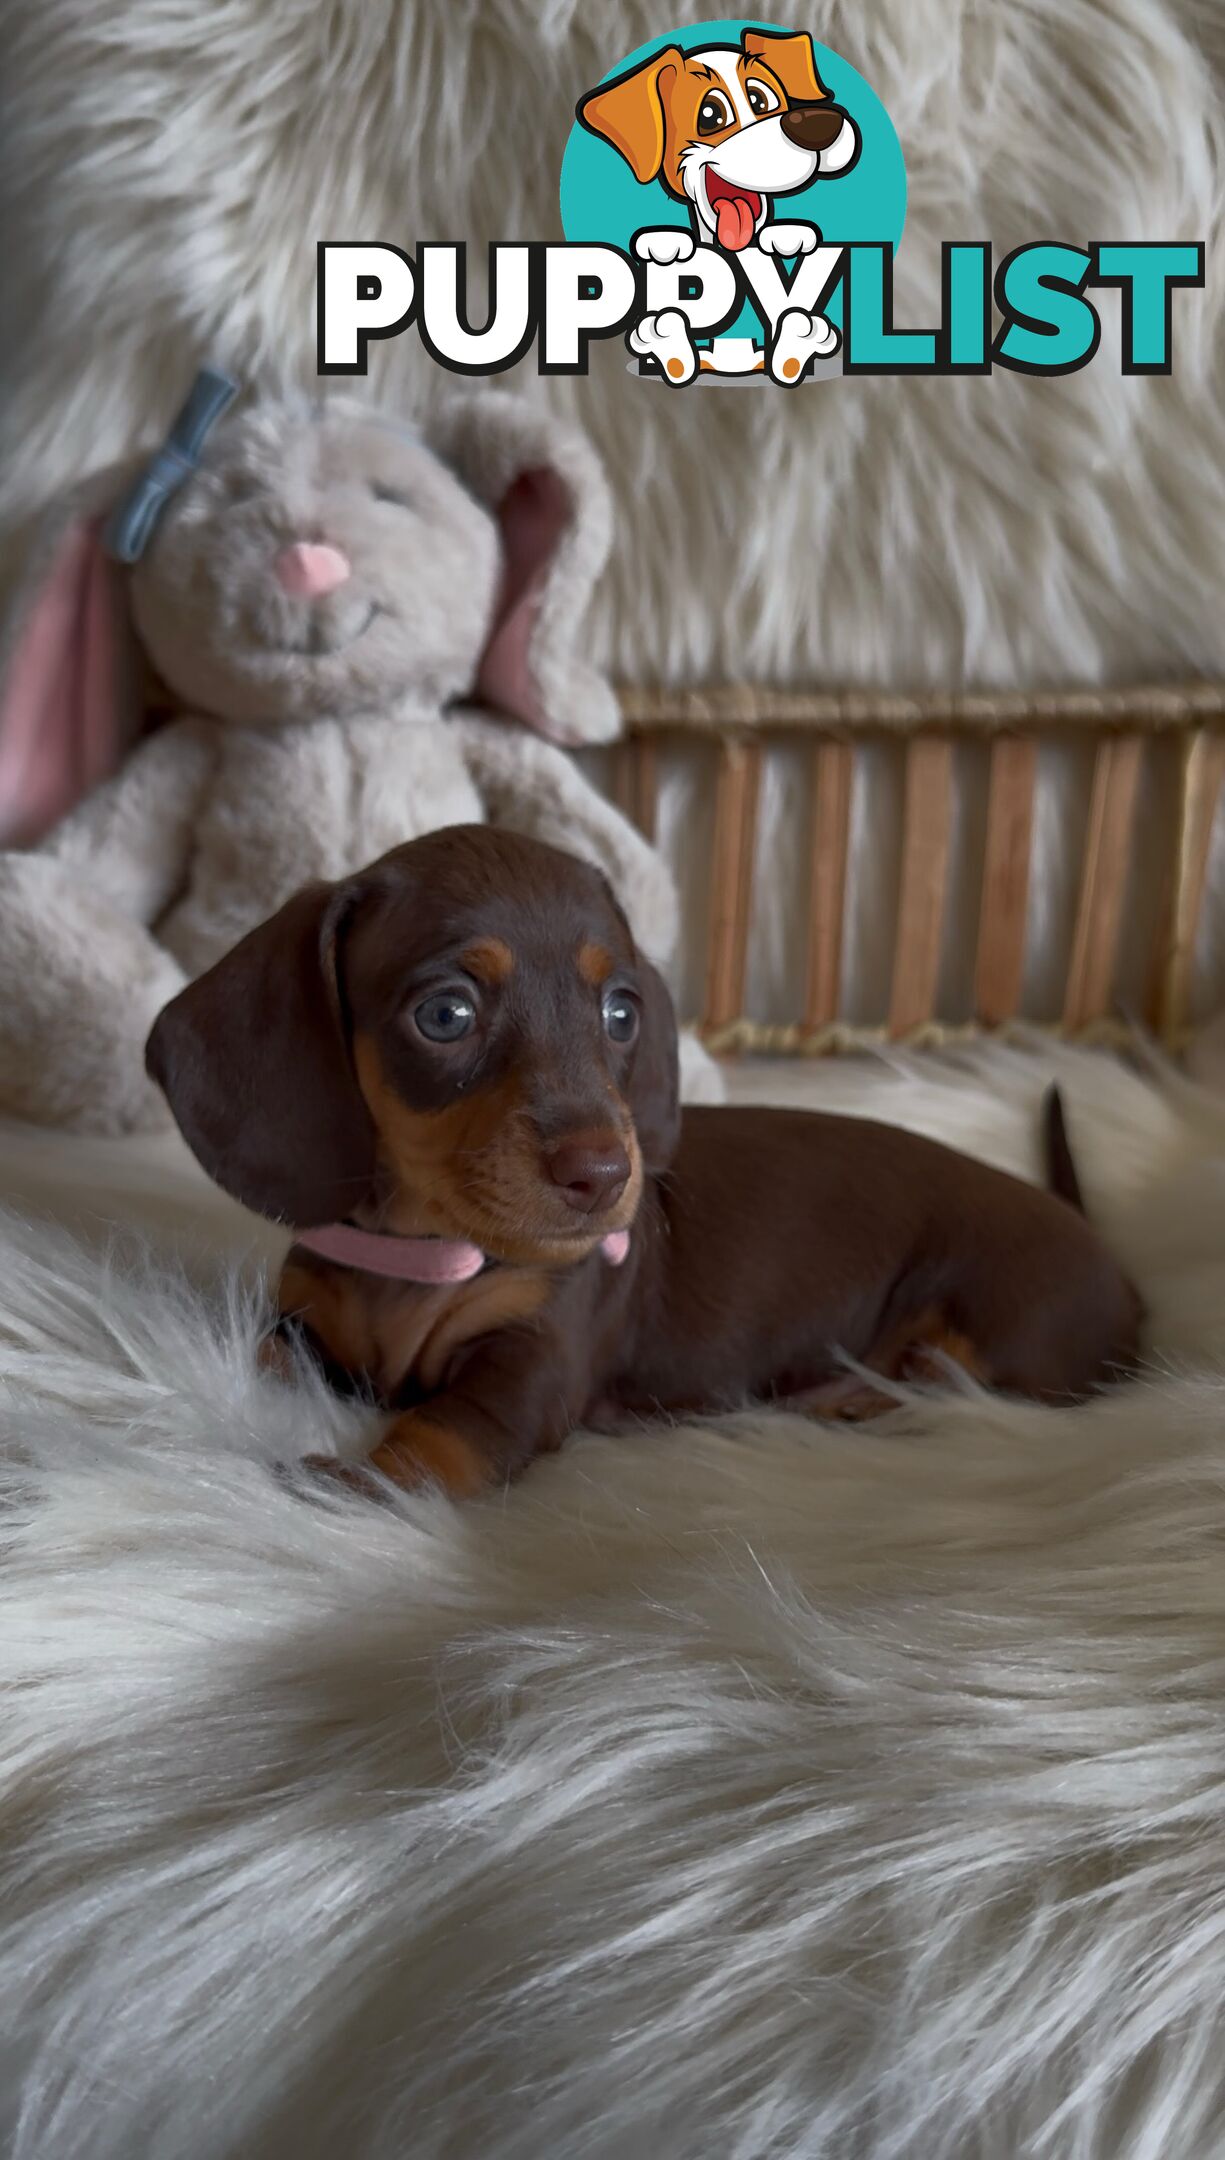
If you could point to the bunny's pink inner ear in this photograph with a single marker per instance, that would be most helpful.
(533, 517)
(61, 725)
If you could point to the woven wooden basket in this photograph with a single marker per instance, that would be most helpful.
(735, 727)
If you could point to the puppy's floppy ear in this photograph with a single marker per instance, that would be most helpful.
(631, 112)
(654, 1089)
(790, 56)
(253, 1059)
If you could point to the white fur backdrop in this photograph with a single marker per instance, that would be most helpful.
(163, 190)
(757, 1792)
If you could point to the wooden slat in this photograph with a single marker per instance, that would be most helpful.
(925, 861)
(1004, 908)
(1103, 883)
(1152, 1004)
(731, 890)
(636, 782)
(1151, 707)
(832, 773)
(624, 783)
(1200, 782)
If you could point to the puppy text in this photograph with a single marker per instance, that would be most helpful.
(1032, 312)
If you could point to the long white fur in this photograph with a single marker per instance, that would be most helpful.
(757, 1789)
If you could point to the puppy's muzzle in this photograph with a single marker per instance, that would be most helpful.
(591, 1170)
(812, 127)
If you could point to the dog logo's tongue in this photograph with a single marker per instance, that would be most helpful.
(736, 212)
(735, 226)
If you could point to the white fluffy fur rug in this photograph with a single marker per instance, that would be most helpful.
(757, 1791)
(164, 177)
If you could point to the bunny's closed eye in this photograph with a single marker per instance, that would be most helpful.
(241, 487)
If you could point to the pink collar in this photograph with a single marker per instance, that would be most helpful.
(418, 1259)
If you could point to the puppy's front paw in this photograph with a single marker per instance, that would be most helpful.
(667, 244)
(788, 239)
(801, 339)
(665, 338)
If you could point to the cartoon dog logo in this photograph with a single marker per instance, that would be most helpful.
(725, 130)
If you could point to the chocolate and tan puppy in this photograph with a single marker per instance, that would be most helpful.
(455, 1077)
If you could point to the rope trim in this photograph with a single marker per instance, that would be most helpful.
(755, 1038)
(1148, 708)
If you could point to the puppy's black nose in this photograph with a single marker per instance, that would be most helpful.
(592, 1169)
(812, 127)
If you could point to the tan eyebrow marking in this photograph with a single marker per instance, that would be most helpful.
(489, 959)
(595, 963)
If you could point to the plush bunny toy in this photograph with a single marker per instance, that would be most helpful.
(328, 597)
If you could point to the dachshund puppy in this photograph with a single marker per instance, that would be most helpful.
(456, 1078)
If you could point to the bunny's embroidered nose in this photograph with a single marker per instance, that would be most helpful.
(307, 569)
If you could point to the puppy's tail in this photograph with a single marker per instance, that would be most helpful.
(1061, 1174)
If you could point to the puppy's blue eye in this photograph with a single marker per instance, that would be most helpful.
(620, 1017)
(445, 1018)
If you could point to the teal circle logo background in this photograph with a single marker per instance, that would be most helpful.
(601, 201)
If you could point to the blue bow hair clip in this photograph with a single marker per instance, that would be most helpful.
(130, 525)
